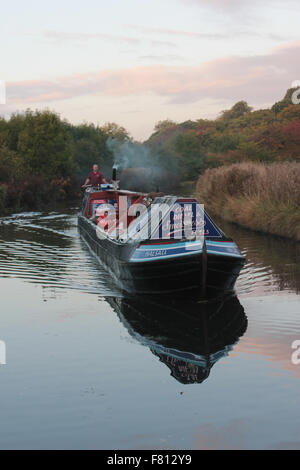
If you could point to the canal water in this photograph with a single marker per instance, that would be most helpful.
(87, 368)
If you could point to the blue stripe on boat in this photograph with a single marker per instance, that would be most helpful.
(223, 248)
(165, 251)
(170, 246)
(159, 257)
(161, 251)
(217, 243)
(224, 253)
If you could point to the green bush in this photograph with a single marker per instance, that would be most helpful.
(3, 193)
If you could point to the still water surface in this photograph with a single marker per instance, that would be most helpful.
(89, 368)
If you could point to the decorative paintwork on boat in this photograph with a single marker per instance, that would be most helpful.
(223, 248)
(151, 252)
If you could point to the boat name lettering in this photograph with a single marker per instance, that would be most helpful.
(152, 253)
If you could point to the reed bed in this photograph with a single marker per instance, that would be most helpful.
(257, 196)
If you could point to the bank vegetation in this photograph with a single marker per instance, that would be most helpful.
(262, 197)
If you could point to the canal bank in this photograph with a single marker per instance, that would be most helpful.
(264, 198)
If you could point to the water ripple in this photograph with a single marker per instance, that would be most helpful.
(45, 248)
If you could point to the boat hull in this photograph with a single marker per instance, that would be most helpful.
(209, 273)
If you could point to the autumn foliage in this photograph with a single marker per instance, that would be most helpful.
(238, 135)
(258, 196)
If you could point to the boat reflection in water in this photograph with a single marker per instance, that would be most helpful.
(189, 336)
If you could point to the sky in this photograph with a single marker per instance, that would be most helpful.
(137, 62)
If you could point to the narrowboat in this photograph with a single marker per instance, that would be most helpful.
(156, 244)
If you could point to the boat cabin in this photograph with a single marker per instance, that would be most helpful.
(106, 201)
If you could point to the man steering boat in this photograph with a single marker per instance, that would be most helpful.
(95, 178)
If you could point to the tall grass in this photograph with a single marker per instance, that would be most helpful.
(261, 197)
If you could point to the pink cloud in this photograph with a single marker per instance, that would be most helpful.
(61, 36)
(258, 79)
(234, 6)
(194, 34)
(224, 4)
(211, 35)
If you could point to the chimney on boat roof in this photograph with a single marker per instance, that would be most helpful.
(114, 180)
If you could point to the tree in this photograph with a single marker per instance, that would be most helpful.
(90, 147)
(14, 127)
(164, 125)
(239, 109)
(3, 131)
(10, 165)
(289, 113)
(285, 102)
(113, 130)
(193, 157)
(45, 145)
